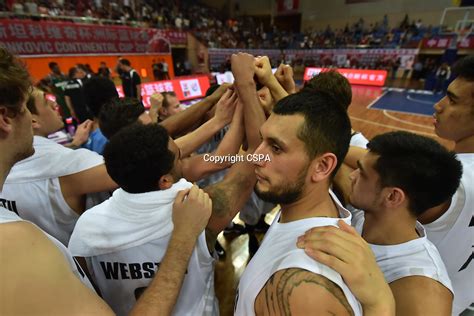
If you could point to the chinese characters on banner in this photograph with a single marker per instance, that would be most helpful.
(355, 76)
(445, 42)
(27, 38)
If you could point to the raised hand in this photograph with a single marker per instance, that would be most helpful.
(284, 75)
(191, 211)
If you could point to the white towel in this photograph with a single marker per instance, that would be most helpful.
(52, 160)
(124, 221)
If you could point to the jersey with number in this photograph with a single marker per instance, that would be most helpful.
(278, 252)
(453, 235)
(123, 276)
(32, 188)
(7, 216)
(418, 257)
(124, 240)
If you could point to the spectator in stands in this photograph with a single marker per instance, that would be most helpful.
(131, 81)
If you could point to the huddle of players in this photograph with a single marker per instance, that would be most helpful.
(305, 263)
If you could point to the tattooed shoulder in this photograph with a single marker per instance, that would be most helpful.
(297, 291)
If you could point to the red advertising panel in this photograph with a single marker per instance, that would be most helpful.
(468, 42)
(186, 88)
(445, 42)
(27, 38)
(436, 43)
(355, 76)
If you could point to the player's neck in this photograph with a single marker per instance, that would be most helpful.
(389, 228)
(6, 164)
(309, 205)
(465, 145)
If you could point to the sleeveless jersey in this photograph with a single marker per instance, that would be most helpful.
(278, 251)
(418, 257)
(453, 235)
(124, 240)
(32, 187)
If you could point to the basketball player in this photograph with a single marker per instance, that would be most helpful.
(401, 177)
(305, 153)
(147, 165)
(451, 225)
(50, 187)
(53, 284)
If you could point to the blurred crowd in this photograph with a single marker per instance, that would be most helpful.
(218, 31)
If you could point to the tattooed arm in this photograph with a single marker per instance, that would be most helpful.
(228, 197)
(300, 292)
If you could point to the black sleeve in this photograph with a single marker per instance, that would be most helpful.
(136, 78)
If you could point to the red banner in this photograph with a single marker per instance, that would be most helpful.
(186, 88)
(27, 38)
(355, 76)
(445, 42)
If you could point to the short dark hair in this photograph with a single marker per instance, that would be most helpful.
(72, 72)
(119, 113)
(427, 172)
(464, 68)
(165, 103)
(138, 156)
(52, 64)
(327, 127)
(15, 82)
(125, 62)
(332, 83)
(97, 92)
(82, 67)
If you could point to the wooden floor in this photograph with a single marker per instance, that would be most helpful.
(370, 122)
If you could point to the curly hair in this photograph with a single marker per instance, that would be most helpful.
(138, 156)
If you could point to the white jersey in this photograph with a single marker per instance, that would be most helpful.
(7, 216)
(359, 140)
(278, 251)
(125, 239)
(453, 235)
(418, 257)
(32, 187)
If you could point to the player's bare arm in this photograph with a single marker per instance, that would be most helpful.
(300, 292)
